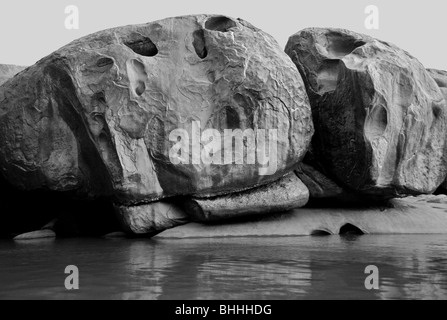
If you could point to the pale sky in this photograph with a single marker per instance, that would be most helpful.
(30, 30)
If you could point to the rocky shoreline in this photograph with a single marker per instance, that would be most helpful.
(202, 126)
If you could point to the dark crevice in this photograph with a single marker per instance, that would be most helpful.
(199, 44)
(104, 63)
(232, 118)
(99, 97)
(320, 233)
(221, 24)
(349, 229)
(437, 112)
(142, 45)
(139, 90)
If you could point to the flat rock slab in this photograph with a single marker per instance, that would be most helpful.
(413, 215)
(285, 194)
(40, 234)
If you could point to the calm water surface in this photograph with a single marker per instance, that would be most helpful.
(411, 267)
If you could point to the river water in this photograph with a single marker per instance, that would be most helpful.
(333, 267)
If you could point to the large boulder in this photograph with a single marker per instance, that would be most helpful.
(114, 113)
(8, 71)
(379, 117)
(440, 77)
(199, 105)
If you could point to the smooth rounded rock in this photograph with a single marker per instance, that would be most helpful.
(102, 115)
(379, 116)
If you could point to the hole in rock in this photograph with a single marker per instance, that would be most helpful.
(320, 233)
(104, 63)
(222, 24)
(137, 76)
(142, 45)
(99, 97)
(377, 122)
(349, 229)
(437, 112)
(199, 44)
(141, 87)
(340, 45)
(232, 118)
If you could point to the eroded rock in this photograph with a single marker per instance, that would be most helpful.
(440, 76)
(379, 117)
(96, 116)
(285, 194)
(102, 115)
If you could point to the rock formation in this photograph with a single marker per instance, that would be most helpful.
(379, 117)
(146, 112)
(150, 219)
(8, 71)
(204, 118)
(283, 195)
(440, 76)
(411, 215)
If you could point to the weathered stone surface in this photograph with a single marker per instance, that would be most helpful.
(440, 76)
(95, 116)
(379, 117)
(412, 215)
(150, 219)
(40, 234)
(285, 194)
(8, 71)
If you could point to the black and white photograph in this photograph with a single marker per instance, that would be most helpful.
(224, 156)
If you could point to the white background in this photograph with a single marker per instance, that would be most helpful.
(30, 29)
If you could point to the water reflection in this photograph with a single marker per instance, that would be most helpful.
(411, 267)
